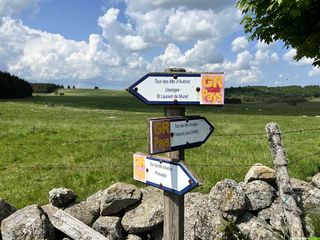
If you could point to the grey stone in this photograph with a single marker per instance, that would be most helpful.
(5, 209)
(260, 195)
(133, 237)
(257, 228)
(85, 211)
(201, 221)
(110, 227)
(306, 195)
(229, 197)
(261, 172)
(316, 180)
(95, 200)
(29, 223)
(193, 203)
(61, 197)
(118, 197)
(147, 215)
(274, 215)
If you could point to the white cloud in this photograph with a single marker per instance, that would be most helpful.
(120, 35)
(265, 54)
(116, 54)
(239, 44)
(315, 71)
(14, 7)
(203, 52)
(162, 26)
(41, 56)
(243, 70)
(136, 5)
(266, 57)
(134, 43)
(263, 46)
(289, 55)
(186, 25)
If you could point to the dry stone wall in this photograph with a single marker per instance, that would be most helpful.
(251, 209)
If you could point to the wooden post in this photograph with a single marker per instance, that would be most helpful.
(173, 226)
(280, 162)
(71, 226)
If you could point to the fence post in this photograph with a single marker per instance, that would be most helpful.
(280, 162)
(173, 226)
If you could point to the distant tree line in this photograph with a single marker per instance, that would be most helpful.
(45, 87)
(286, 94)
(13, 87)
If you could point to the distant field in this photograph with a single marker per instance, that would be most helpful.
(85, 139)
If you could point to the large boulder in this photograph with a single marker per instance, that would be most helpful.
(274, 215)
(110, 227)
(61, 197)
(306, 195)
(117, 197)
(147, 215)
(85, 211)
(229, 197)
(201, 220)
(256, 228)
(260, 195)
(261, 172)
(5, 209)
(316, 180)
(29, 223)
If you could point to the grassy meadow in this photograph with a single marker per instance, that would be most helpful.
(85, 139)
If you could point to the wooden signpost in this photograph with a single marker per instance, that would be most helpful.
(173, 134)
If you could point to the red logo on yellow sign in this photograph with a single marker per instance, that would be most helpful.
(212, 88)
(161, 139)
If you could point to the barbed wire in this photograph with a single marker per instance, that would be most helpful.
(263, 133)
(115, 166)
(306, 156)
(119, 139)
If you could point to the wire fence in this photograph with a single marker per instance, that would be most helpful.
(121, 139)
(122, 166)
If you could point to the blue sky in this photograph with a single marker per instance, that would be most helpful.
(113, 43)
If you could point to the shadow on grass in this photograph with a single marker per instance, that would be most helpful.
(126, 102)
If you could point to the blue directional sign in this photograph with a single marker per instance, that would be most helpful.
(164, 174)
(180, 88)
(174, 133)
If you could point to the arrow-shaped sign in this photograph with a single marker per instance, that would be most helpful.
(180, 88)
(174, 133)
(164, 174)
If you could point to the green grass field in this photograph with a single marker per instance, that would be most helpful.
(85, 139)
